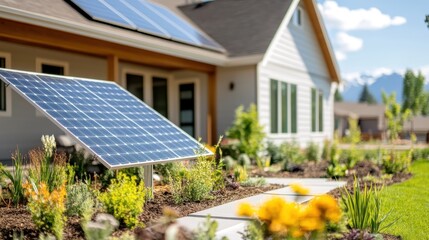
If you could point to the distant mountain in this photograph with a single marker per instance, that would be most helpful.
(388, 83)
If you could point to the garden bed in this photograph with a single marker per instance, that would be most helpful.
(19, 220)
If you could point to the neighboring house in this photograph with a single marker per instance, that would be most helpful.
(418, 125)
(274, 53)
(370, 117)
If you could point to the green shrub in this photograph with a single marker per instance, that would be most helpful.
(47, 207)
(420, 153)
(373, 155)
(164, 170)
(193, 182)
(291, 154)
(351, 156)
(363, 209)
(274, 153)
(16, 178)
(80, 164)
(229, 163)
(254, 182)
(313, 152)
(326, 151)
(80, 201)
(396, 161)
(240, 174)
(124, 199)
(248, 131)
(335, 168)
(354, 136)
(244, 160)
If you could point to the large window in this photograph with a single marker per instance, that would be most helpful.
(52, 66)
(135, 84)
(2, 88)
(5, 91)
(160, 95)
(283, 107)
(316, 110)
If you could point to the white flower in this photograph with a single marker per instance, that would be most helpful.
(49, 144)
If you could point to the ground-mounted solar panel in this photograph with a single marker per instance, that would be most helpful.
(147, 17)
(108, 121)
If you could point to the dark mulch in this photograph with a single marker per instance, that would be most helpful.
(164, 198)
(305, 170)
(19, 220)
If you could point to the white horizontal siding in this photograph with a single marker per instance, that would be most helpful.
(296, 58)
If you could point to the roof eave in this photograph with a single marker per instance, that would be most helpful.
(324, 40)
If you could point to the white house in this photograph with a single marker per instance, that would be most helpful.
(274, 53)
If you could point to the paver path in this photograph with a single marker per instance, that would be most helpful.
(230, 225)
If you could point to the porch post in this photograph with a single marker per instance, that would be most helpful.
(113, 68)
(211, 117)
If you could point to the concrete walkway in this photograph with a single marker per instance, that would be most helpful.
(230, 225)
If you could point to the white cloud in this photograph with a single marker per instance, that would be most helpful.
(340, 56)
(348, 43)
(343, 18)
(345, 43)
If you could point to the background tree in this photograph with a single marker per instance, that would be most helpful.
(394, 116)
(427, 20)
(413, 94)
(338, 97)
(366, 96)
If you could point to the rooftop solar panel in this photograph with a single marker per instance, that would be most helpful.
(108, 121)
(147, 17)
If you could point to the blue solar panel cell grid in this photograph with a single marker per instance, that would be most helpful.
(146, 17)
(117, 127)
(133, 14)
(100, 11)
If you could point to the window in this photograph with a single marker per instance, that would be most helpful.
(5, 92)
(135, 85)
(159, 95)
(3, 107)
(297, 17)
(283, 107)
(316, 110)
(52, 66)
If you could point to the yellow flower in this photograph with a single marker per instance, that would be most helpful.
(246, 210)
(328, 207)
(271, 209)
(289, 214)
(298, 189)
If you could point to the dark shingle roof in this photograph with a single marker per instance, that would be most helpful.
(243, 27)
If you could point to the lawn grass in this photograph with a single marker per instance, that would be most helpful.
(410, 203)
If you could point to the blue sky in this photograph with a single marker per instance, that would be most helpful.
(378, 37)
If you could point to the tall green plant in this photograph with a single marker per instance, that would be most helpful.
(394, 115)
(247, 130)
(363, 209)
(16, 177)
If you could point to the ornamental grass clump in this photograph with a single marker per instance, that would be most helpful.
(194, 182)
(16, 178)
(363, 209)
(47, 207)
(279, 219)
(124, 199)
